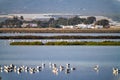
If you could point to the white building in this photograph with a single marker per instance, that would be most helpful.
(33, 25)
(85, 26)
(67, 27)
(29, 25)
(90, 26)
(81, 26)
(98, 26)
(25, 25)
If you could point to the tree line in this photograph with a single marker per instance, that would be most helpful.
(54, 23)
(12, 22)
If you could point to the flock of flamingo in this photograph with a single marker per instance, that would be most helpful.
(54, 68)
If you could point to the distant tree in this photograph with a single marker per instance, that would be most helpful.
(15, 18)
(86, 22)
(19, 23)
(62, 21)
(39, 23)
(1, 24)
(14, 22)
(83, 20)
(44, 24)
(21, 17)
(51, 22)
(103, 22)
(57, 26)
(91, 19)
(74, 21)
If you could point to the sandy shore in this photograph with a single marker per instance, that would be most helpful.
(57, 30)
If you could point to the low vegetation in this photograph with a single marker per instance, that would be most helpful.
(26, 43)
(104, 43)
(84, 43)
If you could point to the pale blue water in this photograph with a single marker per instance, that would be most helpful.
(83, 58)
(59, 34)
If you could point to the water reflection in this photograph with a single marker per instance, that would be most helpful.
(96, 68)
(0, 78)
(116, 71)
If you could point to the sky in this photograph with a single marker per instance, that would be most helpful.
(83, 7)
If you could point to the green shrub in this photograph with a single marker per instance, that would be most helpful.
(104, 43)
(26, 43)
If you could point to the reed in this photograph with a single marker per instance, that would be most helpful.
(104, 43)
(26, 43)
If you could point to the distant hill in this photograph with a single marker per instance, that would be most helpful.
(115, 17)
(83, 7)
(48, 16)
(55, 15)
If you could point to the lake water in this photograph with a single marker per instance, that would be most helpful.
(83, 58)
(59, 34)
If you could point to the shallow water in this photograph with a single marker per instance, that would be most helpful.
(81, 72)
(59, 34)
(83, 58)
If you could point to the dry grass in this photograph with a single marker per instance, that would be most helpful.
(58, 30)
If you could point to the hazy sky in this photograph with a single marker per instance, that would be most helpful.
(86, 7)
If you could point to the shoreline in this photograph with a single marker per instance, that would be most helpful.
(58, 30)
(59, 37)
